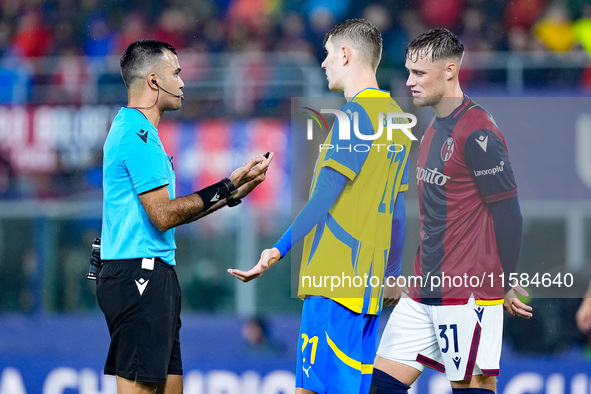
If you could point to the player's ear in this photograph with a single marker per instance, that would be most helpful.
(451, 70)
(345, 54)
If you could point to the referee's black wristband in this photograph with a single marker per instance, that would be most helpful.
(216, 192)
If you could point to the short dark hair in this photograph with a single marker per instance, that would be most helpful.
(364, 36)
(440, 43)
(139, 55)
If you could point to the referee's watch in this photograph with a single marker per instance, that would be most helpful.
(232, 190)
(232, 202)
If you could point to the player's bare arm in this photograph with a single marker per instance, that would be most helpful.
(268, 258)
(514, 306)
(165, 213)
(392, 292)
(242, 192)
(583, 315)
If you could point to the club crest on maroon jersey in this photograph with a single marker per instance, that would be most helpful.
(447, 149)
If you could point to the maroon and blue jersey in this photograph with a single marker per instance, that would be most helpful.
(462, 167)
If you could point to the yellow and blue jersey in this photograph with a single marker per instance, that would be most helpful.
(352, 241)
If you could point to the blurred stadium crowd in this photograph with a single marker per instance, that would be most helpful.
(245, 58)
(84, 34)
(32, 28)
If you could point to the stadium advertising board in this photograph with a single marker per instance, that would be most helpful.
(61, 355)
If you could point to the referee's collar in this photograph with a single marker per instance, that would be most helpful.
(136, 112)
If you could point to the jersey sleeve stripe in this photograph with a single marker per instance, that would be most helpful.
(500, 196)
(346, 171)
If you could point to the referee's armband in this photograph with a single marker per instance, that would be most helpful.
(216, 192)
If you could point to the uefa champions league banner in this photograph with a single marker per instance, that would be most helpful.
(65, 355)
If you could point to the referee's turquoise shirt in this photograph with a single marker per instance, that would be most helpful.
(134, 162)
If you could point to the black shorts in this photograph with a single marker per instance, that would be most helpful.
(142, 309)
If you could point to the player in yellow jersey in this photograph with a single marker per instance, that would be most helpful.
(354, 214)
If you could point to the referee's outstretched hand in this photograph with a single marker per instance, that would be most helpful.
(255, 167)
(268, 258)
(514, 306)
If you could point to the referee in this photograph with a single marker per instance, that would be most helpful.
(137, 288)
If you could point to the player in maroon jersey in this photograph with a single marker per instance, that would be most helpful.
(470, 236)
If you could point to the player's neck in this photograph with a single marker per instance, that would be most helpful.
(145, 101)
(449, 103)
(152, 114)
(357, 84)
